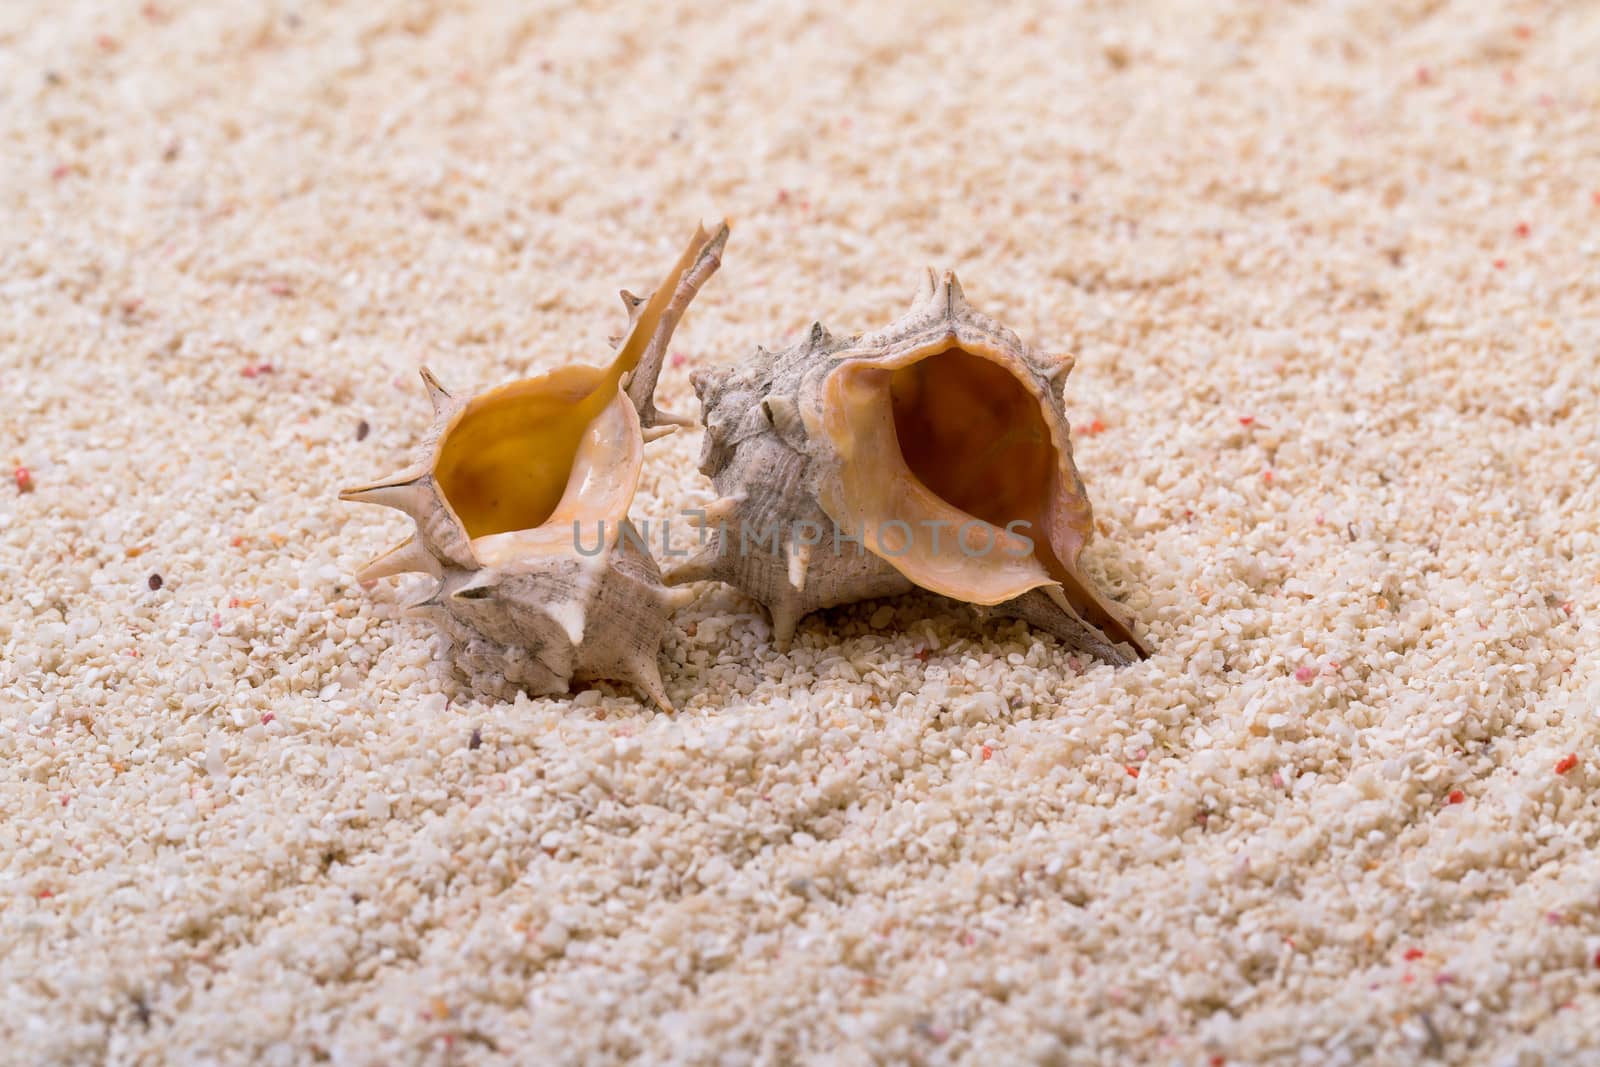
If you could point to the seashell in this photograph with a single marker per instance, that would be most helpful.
(521, 504)
(934, 453)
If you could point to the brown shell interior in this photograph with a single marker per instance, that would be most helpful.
(970, 432)
(951, 435)
(505, 461)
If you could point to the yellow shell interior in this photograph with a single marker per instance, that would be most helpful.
(527, 480)
(951, 471)
(505, 462)
(533, 457)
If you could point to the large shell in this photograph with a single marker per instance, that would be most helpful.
(521, 502)
(932, 453)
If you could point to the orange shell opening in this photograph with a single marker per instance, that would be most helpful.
(950, 471)
(521, 461)
(505, 461)
(972, 434)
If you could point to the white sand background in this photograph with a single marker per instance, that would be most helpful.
(1332, 274)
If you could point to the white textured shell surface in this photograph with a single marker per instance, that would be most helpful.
(933, 453)
(520, 504)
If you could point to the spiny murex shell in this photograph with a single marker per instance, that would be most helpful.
(521, 504)
(932, 453)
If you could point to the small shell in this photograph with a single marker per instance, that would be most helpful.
(521, 504)
(934, 453)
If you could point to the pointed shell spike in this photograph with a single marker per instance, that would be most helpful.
(785, 619)
(408, 557)
(670, 419)
(819, 338)
(799, 564)
(719, 511)
(955, 301)
(781, 414)
(1059, 369)
(645, 675)
(703, 566)
(570, 615)
(406, 491)
(437, 394)
(657, 432)
(727, 506)
(678, 598)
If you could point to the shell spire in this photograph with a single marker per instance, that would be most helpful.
(520, 507)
